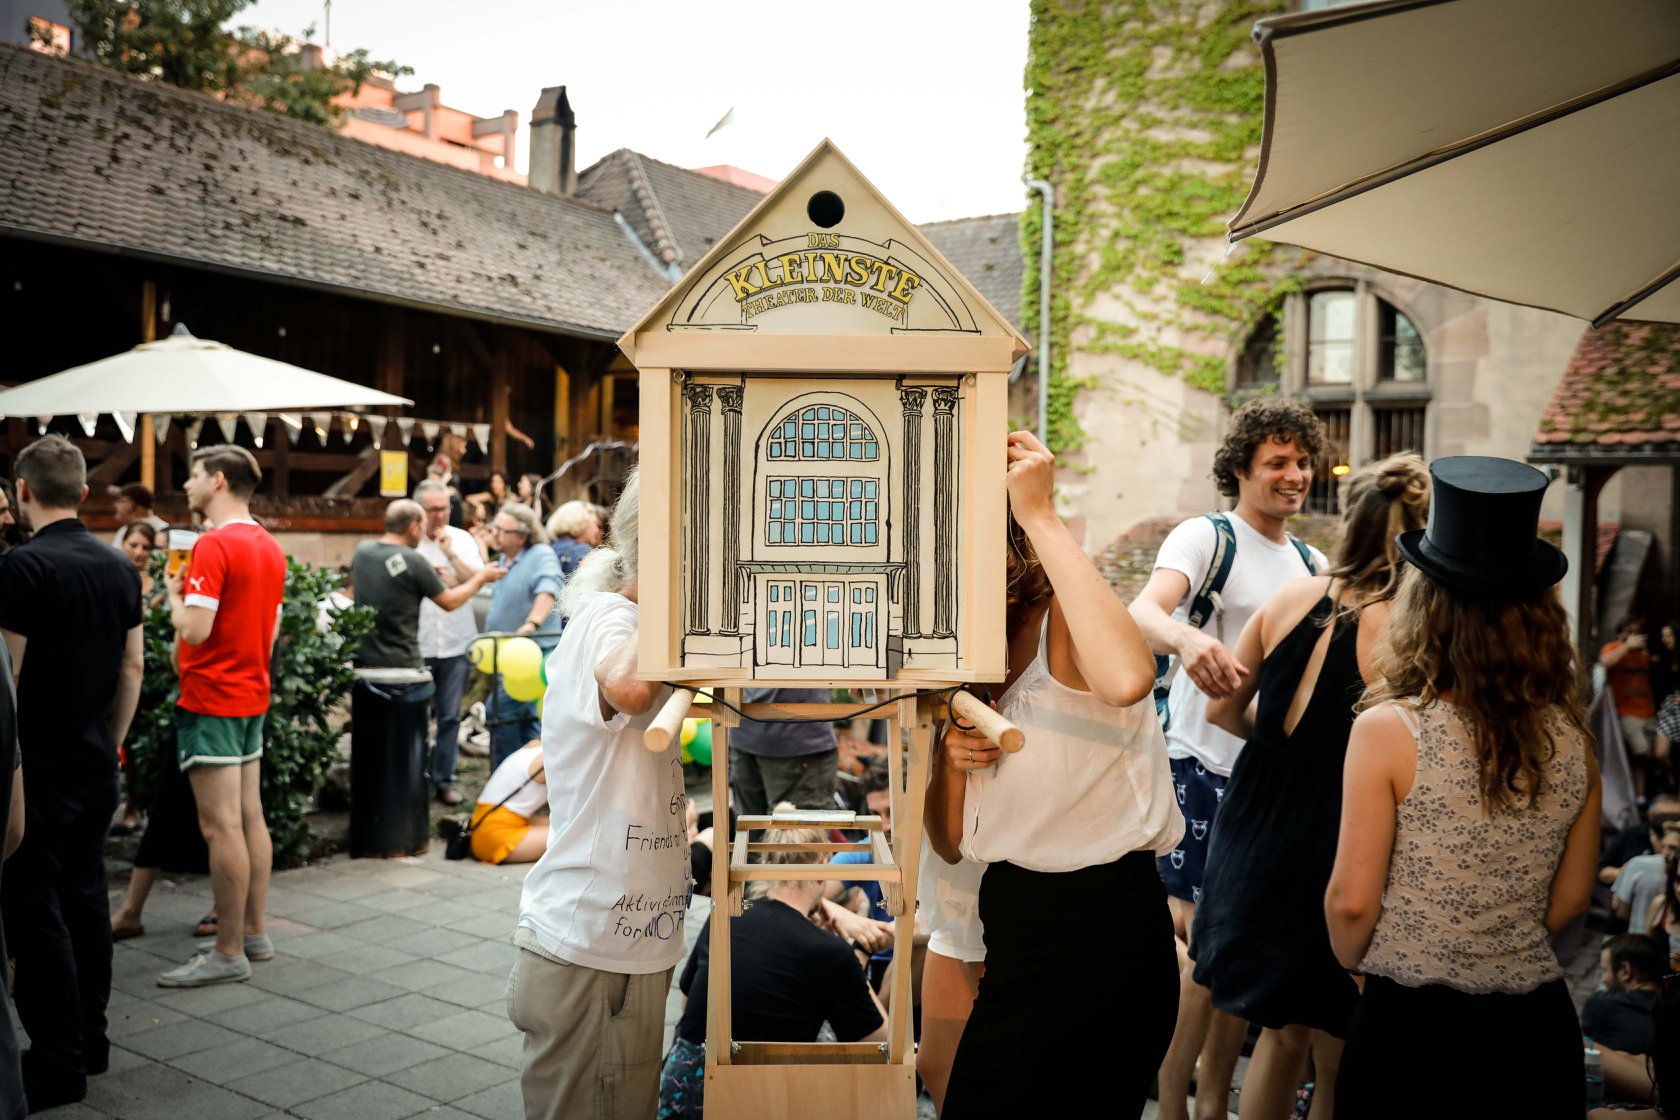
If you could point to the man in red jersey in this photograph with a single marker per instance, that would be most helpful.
(225, 604)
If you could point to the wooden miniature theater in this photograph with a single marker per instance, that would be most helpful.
(823, 422)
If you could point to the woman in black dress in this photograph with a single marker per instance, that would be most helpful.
(1260, 942)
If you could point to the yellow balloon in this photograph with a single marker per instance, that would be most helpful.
(519, 658)
(690, 728)
(480, 654)
(523, 688)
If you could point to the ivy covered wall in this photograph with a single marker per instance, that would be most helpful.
(1146, 116)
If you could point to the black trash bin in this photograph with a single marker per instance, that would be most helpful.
(388, 783)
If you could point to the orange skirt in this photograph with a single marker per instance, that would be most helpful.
(496, 832)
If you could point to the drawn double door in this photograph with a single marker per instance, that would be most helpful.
(821, 621)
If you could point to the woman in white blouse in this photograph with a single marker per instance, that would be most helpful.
(1081, 985)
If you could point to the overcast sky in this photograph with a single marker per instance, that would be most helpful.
(923, 95)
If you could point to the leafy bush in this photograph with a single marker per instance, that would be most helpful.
(311, 674)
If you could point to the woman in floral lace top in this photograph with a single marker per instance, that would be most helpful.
(1469, 818)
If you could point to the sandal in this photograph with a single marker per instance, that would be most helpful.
(206, 926)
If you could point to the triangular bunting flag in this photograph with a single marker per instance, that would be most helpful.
(322, 423)
(481, 436)
(258, 423)
(228, 422)
(125, 424)
(293, 423)
(406, 427)
(376, 431)
(89, 421)
(160, 426)
(348, 425)
(42, 423)
(431, 428)
(192, 432)
(459, 430)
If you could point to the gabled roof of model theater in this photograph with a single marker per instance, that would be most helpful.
(99, 160)
(1618, 400)
(92, 158)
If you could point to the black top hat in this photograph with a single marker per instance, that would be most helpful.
(1484, 516)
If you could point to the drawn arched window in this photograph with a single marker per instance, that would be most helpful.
(824, 431)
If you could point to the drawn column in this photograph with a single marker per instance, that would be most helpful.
(912, 400)
(729, 397)
(699, 398)
(944, 512)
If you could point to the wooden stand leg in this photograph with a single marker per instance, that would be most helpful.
(719, 1021)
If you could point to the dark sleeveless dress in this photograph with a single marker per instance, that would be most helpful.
(1259, 940)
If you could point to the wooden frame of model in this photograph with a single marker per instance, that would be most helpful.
(823, 422)
(816, 399)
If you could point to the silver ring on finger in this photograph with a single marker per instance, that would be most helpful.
(971, 756)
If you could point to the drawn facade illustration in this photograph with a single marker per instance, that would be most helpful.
(813, 397)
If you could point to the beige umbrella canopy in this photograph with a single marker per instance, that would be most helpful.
(1527, 150)
(183, 375)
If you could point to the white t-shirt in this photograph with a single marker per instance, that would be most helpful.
(524, 798)
(611, 890)
(448, 633)
(950, 901)
(1259, 568)
(1091, 785)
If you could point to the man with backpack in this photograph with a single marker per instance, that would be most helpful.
(1211, 574)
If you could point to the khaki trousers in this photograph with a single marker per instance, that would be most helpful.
(592, 1039)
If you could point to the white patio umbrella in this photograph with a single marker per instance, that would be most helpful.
(1527, 150)
(183, 375)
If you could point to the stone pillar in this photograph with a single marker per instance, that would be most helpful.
(699, 398)
(729, 397)
(912, 401)
(945, 513)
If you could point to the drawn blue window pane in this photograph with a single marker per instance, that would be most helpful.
(869, 533)
(822, 532)
(857, 430)
(855, 451)
(869, 631)
(809, 592)
(822, 431)
(807, 510)
(822, 510)
(807, 450)
(822, 413)
(787, 624)
(807, 431)
(857, 594)
(857, 534)
(822, 487)
(808, 414)
(822, 450)
(807, 488)
(871, 449)
(870, 510)
(775, 487)
(857, 487)
(770, 624)
(834, 593)
(869, 488)
(869, 594)
(807, 534)
(775, 590)
(856, 510)
(810, 628)
(833, 630)
(857, 628)
(775, 509)
(775, 532)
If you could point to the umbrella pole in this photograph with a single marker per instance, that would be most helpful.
(148, 333)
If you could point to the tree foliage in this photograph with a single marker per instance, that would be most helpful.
(188, 43)
(310, 673)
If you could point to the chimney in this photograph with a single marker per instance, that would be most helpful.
(553, 144)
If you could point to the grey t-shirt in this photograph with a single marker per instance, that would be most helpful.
(783, 740)
(1640, 882)
(393, 580)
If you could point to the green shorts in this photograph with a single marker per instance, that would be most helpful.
(202, 740)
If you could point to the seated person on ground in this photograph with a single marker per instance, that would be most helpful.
(1642, 879)
(1637, 839)
(517, 831)
(787, 976)
(1632, 1077)
(1619, 1017)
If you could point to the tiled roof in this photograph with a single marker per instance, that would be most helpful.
(1619, 397)
(677, 213)
(89, 156)
(987, 251)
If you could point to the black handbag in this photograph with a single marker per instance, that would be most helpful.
(460, 844)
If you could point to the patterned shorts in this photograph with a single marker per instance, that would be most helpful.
(1199, 790)
(682, 1083)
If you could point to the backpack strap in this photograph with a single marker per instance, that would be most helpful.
(1306, 553)
(1203, 604)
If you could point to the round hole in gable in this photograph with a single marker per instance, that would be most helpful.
(825, 209)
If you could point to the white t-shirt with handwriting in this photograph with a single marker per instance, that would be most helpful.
(1260, 567)
(611, 890)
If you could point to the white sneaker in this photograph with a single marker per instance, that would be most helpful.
(204, 970)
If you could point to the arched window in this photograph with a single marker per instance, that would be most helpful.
(823, 431)
(1361, 362)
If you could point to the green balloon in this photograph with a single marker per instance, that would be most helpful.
(701, 745)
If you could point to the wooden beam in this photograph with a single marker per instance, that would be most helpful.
(145, 436)
(500, 392)
(347, 487)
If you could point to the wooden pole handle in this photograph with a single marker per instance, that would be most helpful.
(667, 726)
(993, 726)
